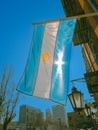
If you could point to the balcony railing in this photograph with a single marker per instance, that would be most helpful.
(92, 81)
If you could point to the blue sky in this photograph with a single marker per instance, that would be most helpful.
(16, 18)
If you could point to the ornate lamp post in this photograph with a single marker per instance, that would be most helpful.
(76, 99)
(91, 116)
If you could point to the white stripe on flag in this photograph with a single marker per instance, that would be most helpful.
(43, 81)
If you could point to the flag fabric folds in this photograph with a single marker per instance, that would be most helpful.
(46, 74)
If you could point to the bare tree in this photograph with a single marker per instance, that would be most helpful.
(8, 98)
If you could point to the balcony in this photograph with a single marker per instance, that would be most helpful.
(83, 32)
(92, 81)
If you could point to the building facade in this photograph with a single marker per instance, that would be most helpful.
(30, 118)
(58, 113)
(86, 35)
(49, 117)
(27, 114)
(79, 121)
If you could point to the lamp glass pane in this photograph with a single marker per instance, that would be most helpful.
(77, 100)
(72, 100)
(87, 111)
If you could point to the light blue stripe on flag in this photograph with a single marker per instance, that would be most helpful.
(60, 75)
(28, 79)
(46, 74)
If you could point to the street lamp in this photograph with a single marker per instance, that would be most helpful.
(91, 115)
(87, 110)
(76, 99)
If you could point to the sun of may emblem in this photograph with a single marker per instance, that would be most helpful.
(45, 56)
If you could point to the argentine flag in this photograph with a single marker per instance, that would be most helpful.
(46, 74)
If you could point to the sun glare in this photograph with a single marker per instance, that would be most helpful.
(59, 62)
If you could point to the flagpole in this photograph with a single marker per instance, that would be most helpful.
(68, 18)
